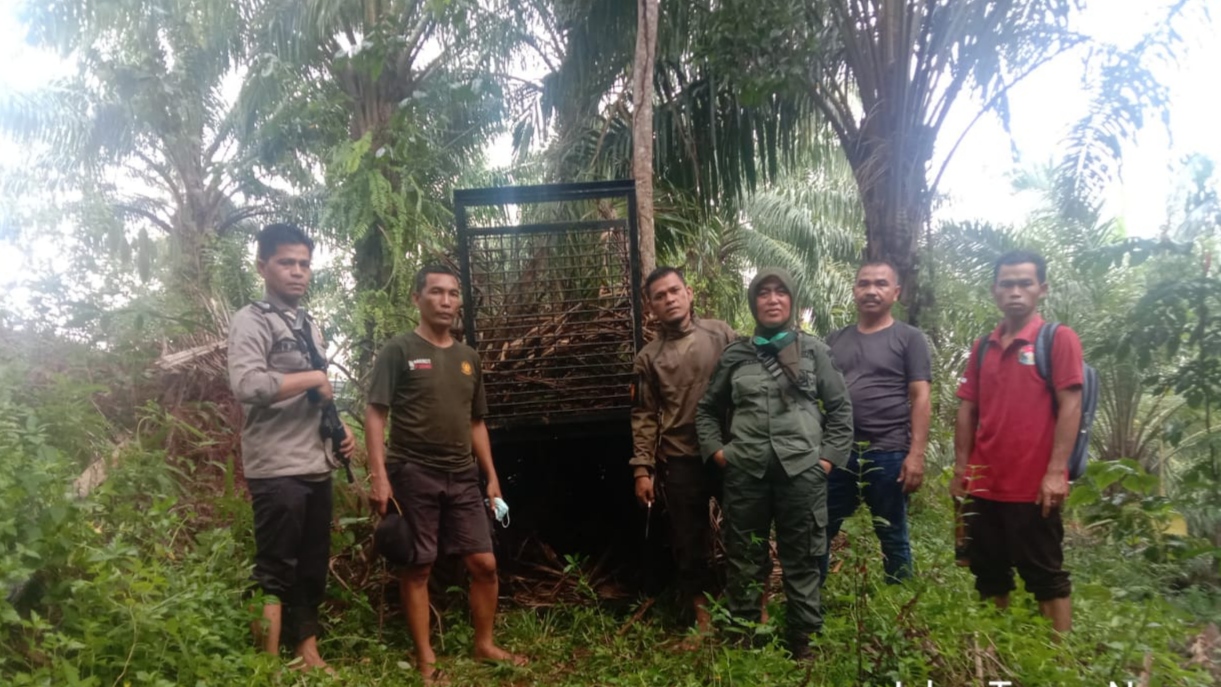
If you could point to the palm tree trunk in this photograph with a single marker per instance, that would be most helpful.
(894, 198)
(372, 267)
(642, 128)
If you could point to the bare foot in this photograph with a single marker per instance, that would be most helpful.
(693, 642)
(497, 655)
(432, 675)
(302, 665)
(308, 658)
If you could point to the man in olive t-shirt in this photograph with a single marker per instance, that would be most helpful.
(431, 388)
(433, 395)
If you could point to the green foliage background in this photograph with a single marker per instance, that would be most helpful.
(183, 125)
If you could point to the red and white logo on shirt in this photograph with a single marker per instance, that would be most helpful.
(419, 364)
(1026, 355)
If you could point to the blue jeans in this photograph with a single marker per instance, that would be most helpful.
(880, 489)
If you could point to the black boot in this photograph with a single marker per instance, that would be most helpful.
(799, 648)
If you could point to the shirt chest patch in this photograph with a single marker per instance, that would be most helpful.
(419, 364)
(285, 346)
(1026, 355)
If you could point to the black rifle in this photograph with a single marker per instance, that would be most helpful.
(332, 428)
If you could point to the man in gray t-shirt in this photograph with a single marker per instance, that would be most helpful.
(887, 368)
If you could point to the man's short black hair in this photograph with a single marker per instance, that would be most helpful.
(660, 273)
(421, 277)
(282, 234)
(1021, 257)
(880, 262)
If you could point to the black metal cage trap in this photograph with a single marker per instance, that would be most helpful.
(551, 302)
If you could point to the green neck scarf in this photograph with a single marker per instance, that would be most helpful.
(778, 345)
(775, 340)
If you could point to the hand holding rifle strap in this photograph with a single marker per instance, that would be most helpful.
(331, 427)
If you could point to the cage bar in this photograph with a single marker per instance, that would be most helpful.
(552, 305)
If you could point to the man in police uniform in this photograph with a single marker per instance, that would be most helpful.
(285, 460)
(671, 374)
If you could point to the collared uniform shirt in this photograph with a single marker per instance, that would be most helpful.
(769, 420)
(279, 438)
(1017, 420)
(671, 374)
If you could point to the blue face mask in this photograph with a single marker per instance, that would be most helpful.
(501, 509)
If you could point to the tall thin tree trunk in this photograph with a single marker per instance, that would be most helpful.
(642, 127)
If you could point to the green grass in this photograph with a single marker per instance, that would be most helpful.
(567, 646)
(141, 591)
(930, 628)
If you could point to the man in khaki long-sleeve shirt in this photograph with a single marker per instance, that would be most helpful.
(671, 375)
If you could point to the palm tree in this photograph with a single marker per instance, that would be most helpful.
(141, 132)
(712, 141)
(390, 99)
(885, 75)
(809, 223)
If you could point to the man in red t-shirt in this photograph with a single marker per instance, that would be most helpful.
(1012, 442)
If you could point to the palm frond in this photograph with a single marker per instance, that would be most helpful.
(1125, 93)
(715, 139)
(57, 118)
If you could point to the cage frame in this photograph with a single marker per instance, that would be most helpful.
(501, 196)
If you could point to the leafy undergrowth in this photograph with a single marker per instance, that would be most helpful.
(137, 585)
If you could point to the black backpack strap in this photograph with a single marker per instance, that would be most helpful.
(1043, 344)
(981, 349)
(298, 324)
